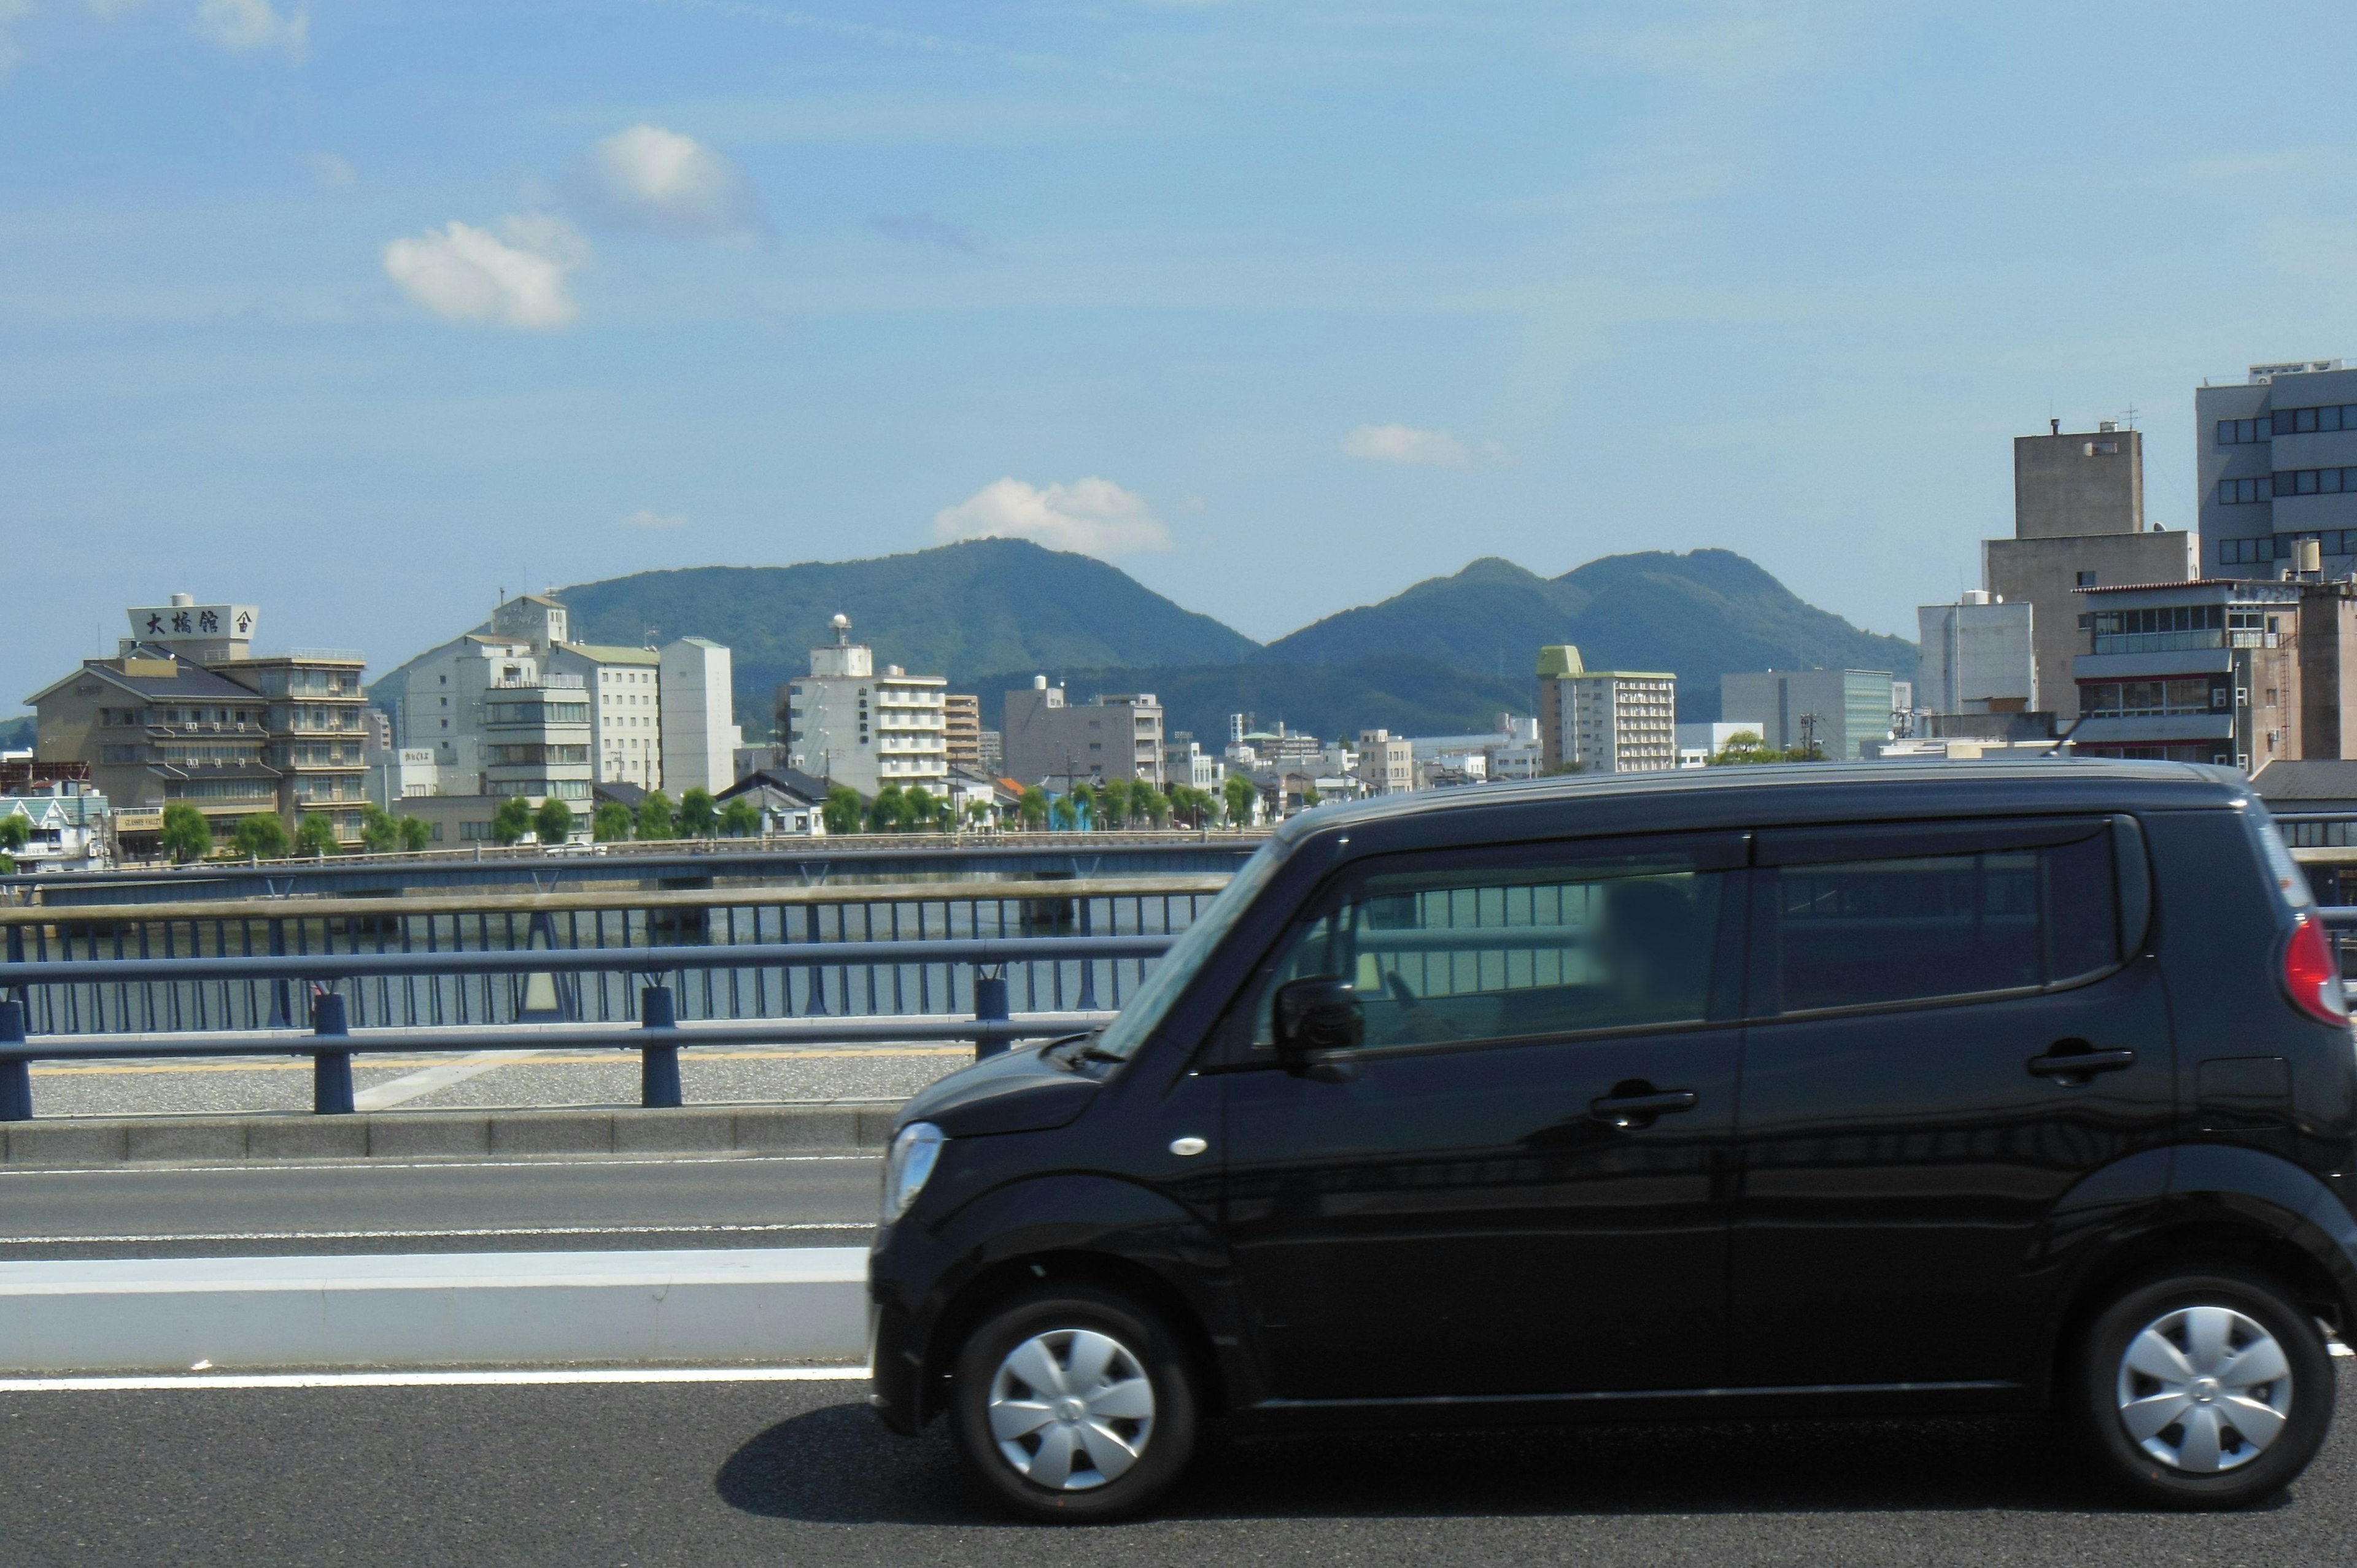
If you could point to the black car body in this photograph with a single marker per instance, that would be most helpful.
(1926, 1062)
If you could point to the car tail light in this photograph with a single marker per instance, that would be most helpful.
(2312, 972)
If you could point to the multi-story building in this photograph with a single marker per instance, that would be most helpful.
(2199, 671)
(188, 713)
(962, 728)
(1386, 763)
(700, 734)
(1839, 712)
(1978, 657)
(2277, 465)
(2078, 522)
(848, 724)
(67, 826)
(624, 688)
(536, 729)
(1605, 721)
(1184, 762)
(1048, 739)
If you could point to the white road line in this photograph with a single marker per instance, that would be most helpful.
(685, 1229)
(314, 1168)
(409, 1086)
(436, 1379)
(2338, 1348)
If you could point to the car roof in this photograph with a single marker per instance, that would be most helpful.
(1760, 795)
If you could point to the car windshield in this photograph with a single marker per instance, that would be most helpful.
(1121, 1037)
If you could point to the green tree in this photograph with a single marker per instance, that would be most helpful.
(416, 833)
(15, 832)
(1240, 797)
(1151, 803)
(1033, 808)
(978, 812)
(512, 820)
(842, 810)
(260, 836)
(553, 822)
(316, 834)
(697, 815)
(740, 819)
(380, 834)
(658, 818)
(1115, 799)
(612, 823)
(1743, 746)
(924, 809)
(1064, 814)
(888, 810)
(1309, 796)
(1086, 805)
(187, 835)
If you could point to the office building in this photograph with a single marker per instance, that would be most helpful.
(1386, 763)
(1978, 657)
(699, 729)
(1836, 711)
(1184, 762)
(187, 713)
(1604, 721)
(962, 728)
(2204, 671)
(2078, 522)
(847, 723)
(2278, 464)
(1061, 743)
(625, 690)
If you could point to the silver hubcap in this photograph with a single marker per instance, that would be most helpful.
(1071, 1409)
(2204, 1388)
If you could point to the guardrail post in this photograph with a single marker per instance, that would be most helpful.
(331, 1071)
(282, 1010)
(1088, 969)
(989, 1007)
(16, 1074)
(658, 1062)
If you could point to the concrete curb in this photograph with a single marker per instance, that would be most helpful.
(506, 1309)
(84, 1140)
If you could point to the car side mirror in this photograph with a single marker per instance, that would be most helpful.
(1317, 1014)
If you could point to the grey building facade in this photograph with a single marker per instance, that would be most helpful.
(2073, 484)
(1047, 740)
(2277, 461)
(1840, 710)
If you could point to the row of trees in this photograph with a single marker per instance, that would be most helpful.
(188, 836)
(1745, 746)
(1115, 803)
(696, 816)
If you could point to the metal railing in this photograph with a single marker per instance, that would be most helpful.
(331, 1041)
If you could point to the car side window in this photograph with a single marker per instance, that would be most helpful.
(1898, 927)
(1442, 954)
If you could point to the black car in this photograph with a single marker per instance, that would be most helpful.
(1811, 1089)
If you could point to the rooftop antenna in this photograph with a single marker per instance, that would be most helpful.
(2131, 416)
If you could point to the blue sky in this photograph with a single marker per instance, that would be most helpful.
(363, 311)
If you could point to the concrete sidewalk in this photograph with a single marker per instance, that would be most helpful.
(84, 1140)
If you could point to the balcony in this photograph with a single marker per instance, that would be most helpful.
(2182, 642)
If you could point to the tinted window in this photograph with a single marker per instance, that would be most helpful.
(1898, 928)
(1442, 955)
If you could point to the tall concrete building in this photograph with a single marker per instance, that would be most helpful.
(1605, 721)
(962, 728)
(846, 723)
(1840, 712)
(1046, 739)
(1978, 657)
(2204, 671)
(2078, 522)
(700, 734)
(187, 712)
(2277, 465)
(1386, 763)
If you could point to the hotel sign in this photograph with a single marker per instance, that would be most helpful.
(193, 623)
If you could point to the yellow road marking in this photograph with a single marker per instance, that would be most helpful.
(613, 1058)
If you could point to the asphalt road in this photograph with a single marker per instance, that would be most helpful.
(747, 1473)
(593, 1203)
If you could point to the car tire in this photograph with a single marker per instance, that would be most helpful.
(1073, 1405)
(2167, 1370)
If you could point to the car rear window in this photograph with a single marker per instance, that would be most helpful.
(1894, 927)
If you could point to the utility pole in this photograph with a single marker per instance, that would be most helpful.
(1809, 723)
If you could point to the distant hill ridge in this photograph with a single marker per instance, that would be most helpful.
(1446, 654)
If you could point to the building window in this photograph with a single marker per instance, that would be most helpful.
(2314, 481)
(2242, 431)
(2086, 579)
(2246, 551)
(2242, 492)
(2307, 421)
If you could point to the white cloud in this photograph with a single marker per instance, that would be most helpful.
(1405, 444)
(242, 26)
(1091, 516)
(330, 170)
(461, 272)
(648, 177)
(646, 517)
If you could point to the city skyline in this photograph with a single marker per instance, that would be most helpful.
(365, 312)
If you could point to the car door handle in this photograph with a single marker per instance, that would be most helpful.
(2081, 1064)
(1636, 1110)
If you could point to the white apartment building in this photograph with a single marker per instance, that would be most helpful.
(625, 687)
(1184, 762)
(848, 724)
(1386, 763)
(700, 736)
(1605, 721)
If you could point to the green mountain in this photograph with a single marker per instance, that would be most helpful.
(960, 610)
(1698, 615)
(1444, 656)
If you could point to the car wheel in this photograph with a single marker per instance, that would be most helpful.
(2204, 1388)
(1073, 1405)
